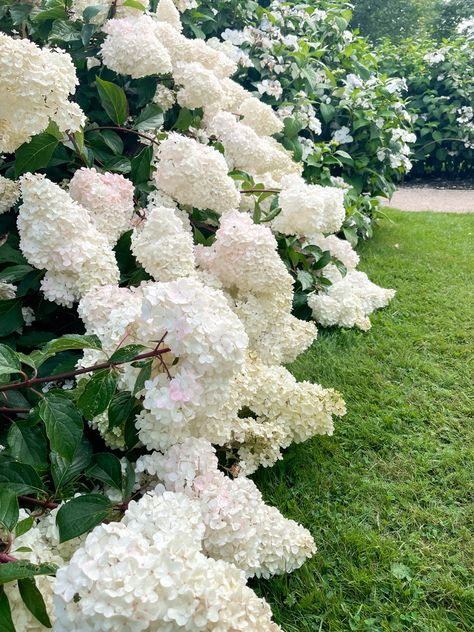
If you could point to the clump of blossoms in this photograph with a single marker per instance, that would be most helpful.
(337, 110)
(155, 242)
(35, 84)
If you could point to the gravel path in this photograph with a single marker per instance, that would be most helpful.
(430, 199)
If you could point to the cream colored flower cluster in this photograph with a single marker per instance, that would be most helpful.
(163, 245)
(58, 234)
(109, 199)
(148, 573)
(239, 527)
(9, 194)
(35, 85)
(40, 544)
(349, 301)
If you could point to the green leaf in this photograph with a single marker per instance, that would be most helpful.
(142, 377)
(151, 117)
(9, 361)
(20, 478)
(97, 393)
(12, 571)
(327, 112)
(24, 526)
(81, 514)
(63, 424)
(52, 10)
(126, 354)
(134, 4)
(33, 600)
(118, 164)
(120, 409)
(128, 481)
(73, 341)
(322, 261)
(113, 141)
(10, 255)
(11, 318)
(9, 510)
(141, 166)
(106, 467)
(36, 154)
(6, 621)
(28, 444)
(92, 11)
(64, 31)
(64, 472)
(12, 274)
(305, 278)
(113, 100)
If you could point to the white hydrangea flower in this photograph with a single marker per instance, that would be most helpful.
(260, 117)
(58, 234)
(163, 245)
(244, 256)
(246, 150)
(40, 544)
(339, 248)
(194, 174)
(239, 527)
(184, 50)
(35, 85)
(164, 97)
(283, 411)
(349, 301)
(309, 209)
(343, 136)
(200, 86)
(143, 578)
(167, 12)
(109, 199)
(133, 48)
(9, 194)
(7, 291)
(207, 343)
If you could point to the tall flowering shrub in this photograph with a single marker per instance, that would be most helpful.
(152, 230)
(441, 99)
(343, 119)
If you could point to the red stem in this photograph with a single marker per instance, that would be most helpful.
(46, 504)
(125, 129)
(260, 191)
(69, 374)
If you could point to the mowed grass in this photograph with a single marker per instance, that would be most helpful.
(389, 497)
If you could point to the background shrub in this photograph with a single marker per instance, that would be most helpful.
(441, 99)
(343, 117)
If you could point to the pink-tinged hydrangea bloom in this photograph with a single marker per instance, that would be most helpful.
(35, 85)
(239, 527)
(58, 234)
(109, 199)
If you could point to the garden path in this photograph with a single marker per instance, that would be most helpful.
(431, 199)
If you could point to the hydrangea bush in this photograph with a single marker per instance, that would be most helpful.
(441, 99)
(152, 230)
(345, 120)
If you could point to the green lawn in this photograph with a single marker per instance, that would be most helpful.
(389, 497)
